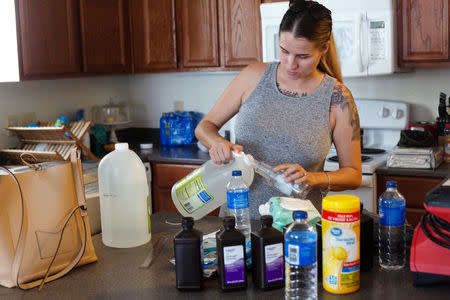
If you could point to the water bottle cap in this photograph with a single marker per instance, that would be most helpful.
(391, 184)
(121, 146)
(187, 222)
(237, 173)
(229, 221)
(300, 214)
(266, 220)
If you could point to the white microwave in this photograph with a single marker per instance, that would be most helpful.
(363, 30)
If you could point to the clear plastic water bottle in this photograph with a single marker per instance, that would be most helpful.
(275, 180)
(237, 204)
(391, 233)
(300, 246)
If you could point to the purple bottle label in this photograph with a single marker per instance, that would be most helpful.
(274, 262)
(234, 262)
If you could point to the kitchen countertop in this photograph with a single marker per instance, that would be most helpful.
(442, 171)
(192, 155)
(116, 276)
(182, 154)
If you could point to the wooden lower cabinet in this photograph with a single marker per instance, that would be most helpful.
(413, 189)
(164, 176)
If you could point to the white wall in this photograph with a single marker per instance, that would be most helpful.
(50, 99)
(153, 94)
(420, 88)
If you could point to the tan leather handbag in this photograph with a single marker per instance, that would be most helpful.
(44, 227)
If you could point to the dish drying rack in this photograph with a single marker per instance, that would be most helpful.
(50, 143)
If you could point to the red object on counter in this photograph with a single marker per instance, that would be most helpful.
(424, 126)
(430, 248)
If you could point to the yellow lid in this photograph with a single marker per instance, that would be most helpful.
(341, 203)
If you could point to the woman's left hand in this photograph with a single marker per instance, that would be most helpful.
(292, 172)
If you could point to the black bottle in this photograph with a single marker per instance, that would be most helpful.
(366, 241)
(188, 256)
(231, 257)
(268, 256)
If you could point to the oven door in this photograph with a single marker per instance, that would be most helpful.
(366, 192)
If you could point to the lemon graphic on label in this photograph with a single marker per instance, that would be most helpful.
(339, 253)
(334, 260)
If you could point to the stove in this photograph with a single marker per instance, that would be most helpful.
(369, 163)
(382, 122)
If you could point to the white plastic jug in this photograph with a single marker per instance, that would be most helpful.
(205, 188)
(124, 199)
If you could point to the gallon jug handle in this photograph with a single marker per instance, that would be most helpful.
(247, 158)
(238, 155)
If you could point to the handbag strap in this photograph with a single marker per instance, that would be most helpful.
(34, 167)
(78, 178)
(18, 254)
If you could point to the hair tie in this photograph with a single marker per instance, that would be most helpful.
(297, 5)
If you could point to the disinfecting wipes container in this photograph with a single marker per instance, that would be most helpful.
(340, 243)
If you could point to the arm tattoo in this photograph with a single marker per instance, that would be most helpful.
(289, 93)
(341, 97)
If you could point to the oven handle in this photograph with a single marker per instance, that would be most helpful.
(367, 181)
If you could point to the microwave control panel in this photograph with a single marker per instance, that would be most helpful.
(377, 39)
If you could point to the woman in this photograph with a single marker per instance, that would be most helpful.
(289, 113)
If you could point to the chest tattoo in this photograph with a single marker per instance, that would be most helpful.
(290, 93)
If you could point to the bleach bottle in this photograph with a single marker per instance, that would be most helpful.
(124, 199)
(205, 188)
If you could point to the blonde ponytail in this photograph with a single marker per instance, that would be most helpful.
(329, 63)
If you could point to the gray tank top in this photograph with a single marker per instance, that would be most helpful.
(278, 129)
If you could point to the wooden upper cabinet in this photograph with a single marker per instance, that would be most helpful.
(105, 34)
(154, 40)
(67, 38)
(423, 32)
(49, 41)
(198, 33)
(240, 32)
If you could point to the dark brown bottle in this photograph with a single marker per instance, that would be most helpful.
(268, 256)
(188, 256)
(231, 257)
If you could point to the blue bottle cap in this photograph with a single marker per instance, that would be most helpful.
(236, 173)
(391, 184)
(300, 214)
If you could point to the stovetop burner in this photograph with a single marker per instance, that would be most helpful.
(364, 158)
(372, 151)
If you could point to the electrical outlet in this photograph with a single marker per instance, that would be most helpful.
(178, 105)
(13, 121)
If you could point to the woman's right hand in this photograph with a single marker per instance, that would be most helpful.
(220, 152)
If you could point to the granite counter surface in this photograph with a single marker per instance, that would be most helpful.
(117, 275)
(442, 171)
(191, 154)
(182, 154)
